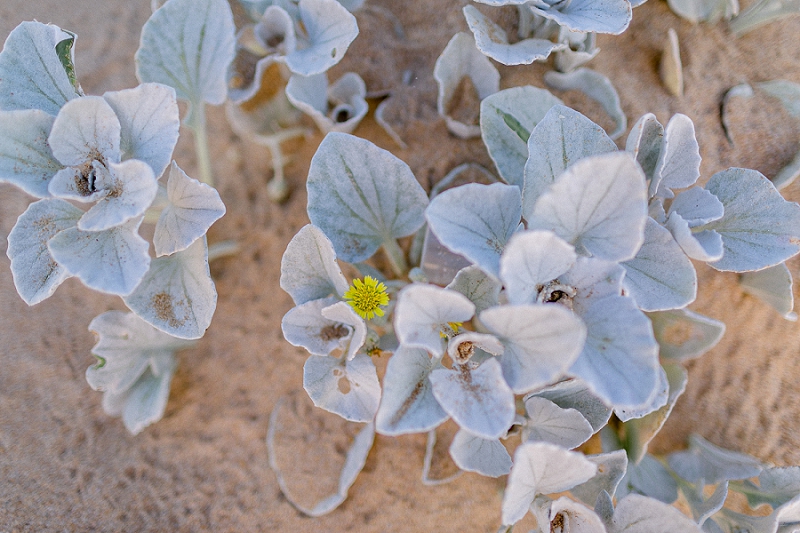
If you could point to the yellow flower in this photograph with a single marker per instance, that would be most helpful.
(366, 297)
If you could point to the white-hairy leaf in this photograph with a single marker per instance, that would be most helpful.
(478, 400)
(684, 335)
(423, 313)
(112, 261)
(361, 196)
(488, 457)
(25, 156)
(177, 295)
(599, 205)
(479, 287)
(759, 229)
(329, 30)
(530, 260)
(476, 221)
(541, 468)
(774, 286)
(348, 388)
(547, 422)
(193, 207)
(640, 514)
(408, 404)
(36, 274)
(31, 73)
(188, 45)
(541, 342)
(507, 118)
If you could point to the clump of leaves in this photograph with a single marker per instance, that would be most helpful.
(577, 269)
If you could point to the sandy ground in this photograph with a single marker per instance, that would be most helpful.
(66, 466)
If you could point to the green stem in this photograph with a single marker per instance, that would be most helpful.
(396, 257)
(197, 121)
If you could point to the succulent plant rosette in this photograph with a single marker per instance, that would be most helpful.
(543, 308)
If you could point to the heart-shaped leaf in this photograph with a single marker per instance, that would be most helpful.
(547, 422)
(424, 315)
(188, 45)
(193, 207)
(329, 30)
(112, 261)
(361, 196)
(640, 514)
(576, 394)
(488, 457)
(36, 274)
(479, 287)
(530, 260)
(31, 74)
(476, 221)
(177, 294)
(684, 335)
(348, 388)
(773, 285)
(25, 156)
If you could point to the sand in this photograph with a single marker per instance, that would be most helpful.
(66, 466)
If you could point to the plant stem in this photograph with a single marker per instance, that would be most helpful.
(396, 257)
(198, 124)
(222, 249)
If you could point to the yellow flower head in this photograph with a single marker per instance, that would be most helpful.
(367, 297)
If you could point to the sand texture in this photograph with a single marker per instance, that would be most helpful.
(66, 466)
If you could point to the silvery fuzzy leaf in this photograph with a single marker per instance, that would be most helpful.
(329, 30)
(683, 334)
(492, 40)
(576, 394)
(476, 221)
(650, 478)
(360, 196)
(604, 508)
(339, 107)
(188, 45)
(193, 207)
(305, 326)
(593, 279)
(599, 205)
(611, 468)
(459, 61)
(620, 358)
(703, 507)
(606, 16)
(149, 121)
(705, 245)
(25, 157)
(711, 463)
(86, 129)
(704, 10)
(541, 468)
(36, 274)
(423, 313)
(145, 401)
(697, 206)
(488, 457)
(759, 229)
(594, 85)
(480, 288)
(776, 486)
(656, 402)
(177, 295)
(479, 400)
(348, 388)
(645, 141)
(507, 118)
(640, 431)
(559, 140)
(773, 285)
(77, 183)
(547, 422)
(129, 188)
(112, 261)
(565, 515)
(309, 270)
(530, 260)
(126, 347)
(407, 404)
(660, 277)
(640, 514)
(354, 461)
(541, 342)
(344, 314)
(32, 75)
(678, 164)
